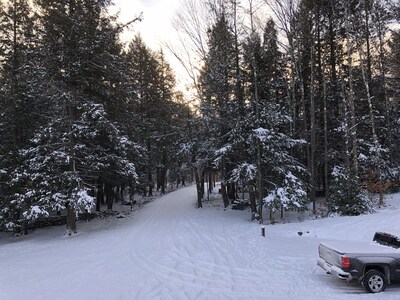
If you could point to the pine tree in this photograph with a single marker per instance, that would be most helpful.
(153, 104)
(218, 105)
(18, 102)
(167, 126)
(143, 72)
(394, 74)
(79, 143)
(268, 168)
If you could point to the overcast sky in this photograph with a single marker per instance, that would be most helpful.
(156, 26)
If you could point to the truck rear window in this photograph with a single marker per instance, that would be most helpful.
(387, 239)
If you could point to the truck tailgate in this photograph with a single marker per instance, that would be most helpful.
(329, 254)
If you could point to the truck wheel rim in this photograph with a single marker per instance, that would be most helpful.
(375, 283)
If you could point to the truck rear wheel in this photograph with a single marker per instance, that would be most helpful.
(374, 281)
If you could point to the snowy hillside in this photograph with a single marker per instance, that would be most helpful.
(170, 250)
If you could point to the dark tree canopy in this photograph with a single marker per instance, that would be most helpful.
(291, 104)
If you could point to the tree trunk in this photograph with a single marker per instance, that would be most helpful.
(260, 185)
(346, 122)
(150, 183)
(367, 40)
(257, 125)
(121, 192)
(224, 195)
(253, 204)
(388, 122)
(163, 181)
(163, 171)
(373, 127)
(313, 133)
(353, 127)
(109, 195)
(99, 195)
(71, 222)
(223, 187)
(231, 191)
(238, 77)
(210, 183)
(16, 216)
(326, 163)
(305, 123)
(71, 113)
(198, 188)
(202, 184)
(158, 178)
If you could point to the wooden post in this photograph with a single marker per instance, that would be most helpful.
(263, 231)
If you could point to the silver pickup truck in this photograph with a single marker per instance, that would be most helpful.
(374, 264)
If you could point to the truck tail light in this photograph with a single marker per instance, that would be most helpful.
(345, 262)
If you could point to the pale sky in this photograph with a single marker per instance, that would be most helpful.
(156, 27)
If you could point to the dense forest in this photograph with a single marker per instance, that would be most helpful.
(290, 100)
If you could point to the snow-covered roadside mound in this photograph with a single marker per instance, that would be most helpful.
(170, 250)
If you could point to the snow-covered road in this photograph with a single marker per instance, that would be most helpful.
(170, 250)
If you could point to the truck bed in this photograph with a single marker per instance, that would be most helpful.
(353, 247)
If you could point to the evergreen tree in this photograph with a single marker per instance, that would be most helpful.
(79, 143)
(18, 100)
(218, 106)
(273, 69)
(167, 124)
(152, 102)
(143, 72)
(347, 196)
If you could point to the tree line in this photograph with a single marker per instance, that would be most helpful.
(292, 99)
(297, 99)
(84, 118)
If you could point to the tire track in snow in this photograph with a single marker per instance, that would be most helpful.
(216, 276)
(250, 277)
(185, 271)
(227, 259)
(188, 258)
(151, 261)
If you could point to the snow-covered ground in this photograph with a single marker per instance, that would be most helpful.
(170, 250)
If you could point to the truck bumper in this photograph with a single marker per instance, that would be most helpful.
(333, 270)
